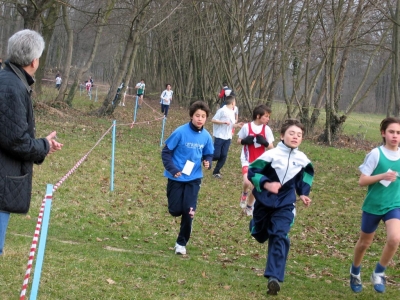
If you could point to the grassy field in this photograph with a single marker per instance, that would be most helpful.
(119, 245)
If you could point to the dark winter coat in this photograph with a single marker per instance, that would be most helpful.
(18, 147)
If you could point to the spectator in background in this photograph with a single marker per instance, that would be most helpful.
(58, 82)
(88, 85)
(140, 87)
(19, 149)
(225, 92)
(119, 89)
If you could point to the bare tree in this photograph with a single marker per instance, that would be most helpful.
(48, 25)
(312, 54)
(31, 12)
(10, 21)
(138, 15)
(100, 22)
(68, 59)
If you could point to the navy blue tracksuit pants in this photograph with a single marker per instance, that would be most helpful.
(273, 224)
(164, 109)
(182, 196)
(221, 148)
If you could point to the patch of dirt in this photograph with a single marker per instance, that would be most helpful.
(56, 109)
(44, 108)
(348, 142)
(345, 141)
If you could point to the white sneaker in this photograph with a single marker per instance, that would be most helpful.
(180, 249)
(249, 211)
(243, 200)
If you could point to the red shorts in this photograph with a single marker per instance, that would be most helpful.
(245, 170)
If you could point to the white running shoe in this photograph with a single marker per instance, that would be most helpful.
(180, 249)
(249, 211)
(243, 200)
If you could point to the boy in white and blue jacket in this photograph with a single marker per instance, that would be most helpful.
(188, 148)
(278, 175)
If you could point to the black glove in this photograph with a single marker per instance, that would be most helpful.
(261, 140)
(248, 140)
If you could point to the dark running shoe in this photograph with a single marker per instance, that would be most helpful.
(273, 286)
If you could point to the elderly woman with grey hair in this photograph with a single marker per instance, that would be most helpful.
(19, 149)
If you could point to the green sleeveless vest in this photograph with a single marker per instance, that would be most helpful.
(381, 199)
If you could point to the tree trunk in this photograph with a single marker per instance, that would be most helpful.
(78, 76)
(48, 28)
(395, 64)
(68, 59)
(108, 104)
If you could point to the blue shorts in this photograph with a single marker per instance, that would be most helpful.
(370, 222)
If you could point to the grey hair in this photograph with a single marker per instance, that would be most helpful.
(24, 46)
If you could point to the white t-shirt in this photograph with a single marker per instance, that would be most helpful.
(224, 131)
(244, 132)
(166, 97)
(58, 80)
(371, 159)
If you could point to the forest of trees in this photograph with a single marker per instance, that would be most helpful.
(330, 56)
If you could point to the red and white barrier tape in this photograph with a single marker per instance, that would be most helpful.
(40, 217)
(33, 248)
(57, 185)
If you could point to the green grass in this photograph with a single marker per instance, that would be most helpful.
(118, 245)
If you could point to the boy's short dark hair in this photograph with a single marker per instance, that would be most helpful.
(385, 124)
(291, 122)
(199, 105)
(224, 83)
(260, 110)
(167, 84)
(229, 99)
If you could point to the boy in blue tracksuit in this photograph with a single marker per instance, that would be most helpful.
(188, 147)
(278, 175)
